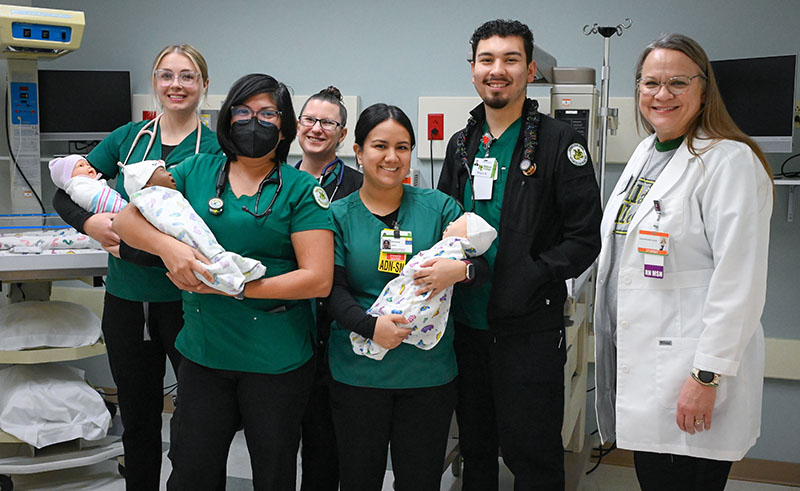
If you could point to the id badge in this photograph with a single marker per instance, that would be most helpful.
(394, 250)
(486, 167)
(484, 173)
(652, 242)
(654, 246)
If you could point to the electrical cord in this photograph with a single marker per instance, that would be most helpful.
(83, 146)
(434, 132)
(14, 159)
(602, 452)
(170, 389)
(791, 174)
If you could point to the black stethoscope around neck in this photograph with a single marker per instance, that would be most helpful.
(216, 205)
(325, 170)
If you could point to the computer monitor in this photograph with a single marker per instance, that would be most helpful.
(759, 95)
(82, 104)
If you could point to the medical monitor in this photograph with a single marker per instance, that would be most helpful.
(759, 95)
(82, 104)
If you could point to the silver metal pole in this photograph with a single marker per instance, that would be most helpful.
(604, 113)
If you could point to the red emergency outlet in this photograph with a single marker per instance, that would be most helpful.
(435, 126)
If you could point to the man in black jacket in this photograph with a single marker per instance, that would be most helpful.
(531, 178)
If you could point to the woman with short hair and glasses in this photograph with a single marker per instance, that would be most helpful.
(321, 130)
(142, 309)
(682, 281)
(249, 357)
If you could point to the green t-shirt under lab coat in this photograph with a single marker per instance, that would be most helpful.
(426, 213)
(127, 280)
(251, 335)
(471, 304)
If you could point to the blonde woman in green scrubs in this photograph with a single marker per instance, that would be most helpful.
(248, 358)
(407, 399)
(141, 308)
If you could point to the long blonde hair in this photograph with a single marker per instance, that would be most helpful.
(713, 118)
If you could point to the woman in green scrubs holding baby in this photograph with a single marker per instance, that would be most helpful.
(249, 357)
(406, 399)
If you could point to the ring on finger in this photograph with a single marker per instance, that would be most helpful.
(698, 422)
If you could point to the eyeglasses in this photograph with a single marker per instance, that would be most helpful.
(244, 113)
(675, 85)
(326, 124)
(185, 78)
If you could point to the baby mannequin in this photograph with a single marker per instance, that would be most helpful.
(468, 236)
(152, 190)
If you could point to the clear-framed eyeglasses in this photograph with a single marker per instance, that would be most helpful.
(185, 78)
(675, 85)
(326, 124)
(244, 113)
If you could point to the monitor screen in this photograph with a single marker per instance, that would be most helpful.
(82, 104)
(759, 95)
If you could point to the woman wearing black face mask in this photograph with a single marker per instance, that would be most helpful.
(248, 357)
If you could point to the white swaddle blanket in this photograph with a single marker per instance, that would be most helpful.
(94, 195)
(170, 213)
(427, 316)
(50, 403)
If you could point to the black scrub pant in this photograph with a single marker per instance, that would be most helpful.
(138, 368)
(215, 403)
(667, 472)
(415, 421)
(511, 396)
(319, 455)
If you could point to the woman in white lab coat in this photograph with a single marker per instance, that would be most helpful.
(682, 281)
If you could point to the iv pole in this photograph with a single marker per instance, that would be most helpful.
(608, 115)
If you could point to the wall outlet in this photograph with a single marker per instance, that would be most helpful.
(435, 126)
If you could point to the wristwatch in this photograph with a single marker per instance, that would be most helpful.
(470, 271)
(704, 377)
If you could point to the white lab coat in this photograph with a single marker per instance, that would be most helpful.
(704, 313)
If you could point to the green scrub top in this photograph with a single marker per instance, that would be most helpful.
(471, 304)
(426, 213)
(251, 335)
(127, 280)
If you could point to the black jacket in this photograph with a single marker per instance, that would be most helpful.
(549, 226)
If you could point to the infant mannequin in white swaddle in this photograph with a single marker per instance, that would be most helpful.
(168, 211)
(469, 236)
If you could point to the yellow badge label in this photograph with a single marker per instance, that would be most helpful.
(321, 197)
(391, 263)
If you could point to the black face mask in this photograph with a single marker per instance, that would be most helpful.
(254, 138)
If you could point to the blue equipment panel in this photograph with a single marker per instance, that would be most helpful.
(24, 103)
(41, 32)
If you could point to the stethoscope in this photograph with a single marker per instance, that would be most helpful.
(216, 205)
(152, 134)
(325, 169)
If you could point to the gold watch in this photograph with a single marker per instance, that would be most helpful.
(704, 377)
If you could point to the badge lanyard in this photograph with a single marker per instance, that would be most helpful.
(484, 171)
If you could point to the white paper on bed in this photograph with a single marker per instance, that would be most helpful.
(50, 403)
(168, 211)
(52, 324)
(427, 316)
